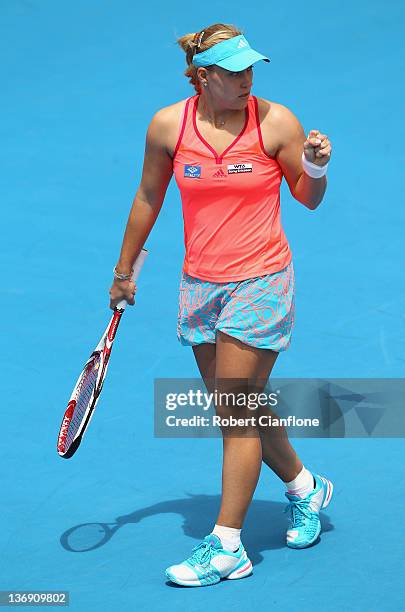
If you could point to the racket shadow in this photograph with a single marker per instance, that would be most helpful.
(264, 527)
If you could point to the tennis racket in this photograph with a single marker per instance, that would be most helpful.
(87, 390)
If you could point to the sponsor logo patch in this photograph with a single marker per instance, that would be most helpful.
(192, 171)
(237, 168)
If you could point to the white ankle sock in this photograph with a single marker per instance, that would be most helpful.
(302, 485)
(230, 537)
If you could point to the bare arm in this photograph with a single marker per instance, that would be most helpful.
(156, 175)
(307, 190)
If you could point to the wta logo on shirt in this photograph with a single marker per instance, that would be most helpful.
(237, 168)
(192, 171)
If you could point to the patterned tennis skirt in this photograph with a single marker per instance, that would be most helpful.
(257, 311)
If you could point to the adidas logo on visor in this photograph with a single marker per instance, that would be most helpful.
(242, 43)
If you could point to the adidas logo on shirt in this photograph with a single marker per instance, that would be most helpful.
(219, 174)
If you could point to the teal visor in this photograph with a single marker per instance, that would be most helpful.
(234, 54)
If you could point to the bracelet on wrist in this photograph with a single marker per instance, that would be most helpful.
(313, 170)
(122, 277)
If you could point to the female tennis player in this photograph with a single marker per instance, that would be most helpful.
(229, 151)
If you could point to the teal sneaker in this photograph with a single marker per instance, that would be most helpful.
(305, 525)
(209, 564)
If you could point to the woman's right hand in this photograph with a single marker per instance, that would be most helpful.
(122, 290)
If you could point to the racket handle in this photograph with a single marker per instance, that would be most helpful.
(140, 260)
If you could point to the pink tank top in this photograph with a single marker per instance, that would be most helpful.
(231, 202)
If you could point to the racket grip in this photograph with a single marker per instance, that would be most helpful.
(140, 260)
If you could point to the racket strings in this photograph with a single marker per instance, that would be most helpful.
(84, 397)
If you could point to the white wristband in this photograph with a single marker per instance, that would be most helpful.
(313, 170)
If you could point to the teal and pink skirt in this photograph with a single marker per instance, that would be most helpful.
(257, 311)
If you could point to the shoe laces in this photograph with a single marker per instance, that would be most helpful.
(202, 553)
(299, 510)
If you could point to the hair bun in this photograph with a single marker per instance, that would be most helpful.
(192, 43)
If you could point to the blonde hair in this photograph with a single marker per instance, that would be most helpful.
(201, 41)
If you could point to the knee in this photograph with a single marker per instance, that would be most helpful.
(234, 416)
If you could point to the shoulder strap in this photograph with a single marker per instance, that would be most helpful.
(259, 131)
(183, 124)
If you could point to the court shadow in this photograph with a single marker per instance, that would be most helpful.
(264, 527)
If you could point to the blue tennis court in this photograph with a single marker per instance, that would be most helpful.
(80, 83)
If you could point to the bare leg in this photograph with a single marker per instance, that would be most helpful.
(230, 359)
(277, 451)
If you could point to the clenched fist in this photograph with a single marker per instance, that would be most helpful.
(317, 148)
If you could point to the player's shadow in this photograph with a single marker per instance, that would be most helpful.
(264, 528)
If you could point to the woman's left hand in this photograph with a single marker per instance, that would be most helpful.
(317, 148)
